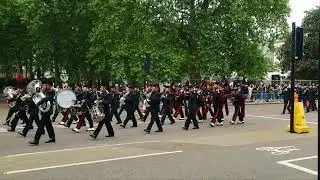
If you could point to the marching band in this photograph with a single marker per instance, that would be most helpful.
(41, 101)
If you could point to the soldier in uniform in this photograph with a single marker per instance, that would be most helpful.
(192, 110)
(122, 102)
(13, 107)
(33, 111)
(146, 103)
(154, 101)
(115, 104)
(137, 102)
(130, 100)
(239, 105)
(45, 116)
(106, 102)
(21, 108)
(218, 102)
(56, 111)
(167, 99)
(179, 104)
(85, 111)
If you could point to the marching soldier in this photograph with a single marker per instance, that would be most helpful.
(33, 111)
(147, 105)
(167, 99)
(106, 101)
(179, 104)
(192, 110)
(130, 101)
(45, 116)
(239, 106)
(115, 101)
(78, 106)
(21, 108)
(154, 101)
(218, 103)
(137, 100)
(14, 108)
(85, 112)
(122, 102)
(56, 111)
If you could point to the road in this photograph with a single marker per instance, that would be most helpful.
(260, 149)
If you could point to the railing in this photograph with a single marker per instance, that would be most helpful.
(264, 97)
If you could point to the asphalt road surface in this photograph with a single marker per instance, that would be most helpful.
(260, 149)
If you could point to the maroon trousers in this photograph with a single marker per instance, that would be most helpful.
(239, 111)
(66, 115)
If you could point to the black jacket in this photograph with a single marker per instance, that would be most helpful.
(155, 99)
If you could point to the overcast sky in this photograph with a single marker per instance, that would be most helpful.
(298, 7)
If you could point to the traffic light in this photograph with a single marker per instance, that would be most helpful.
(299, 43)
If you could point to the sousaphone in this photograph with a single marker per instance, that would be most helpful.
(33, 88)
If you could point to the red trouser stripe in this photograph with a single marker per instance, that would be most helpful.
(214, 119)
(66, 115)
(81, 121)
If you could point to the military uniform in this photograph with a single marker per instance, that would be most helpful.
(107, 99)
(155, 99)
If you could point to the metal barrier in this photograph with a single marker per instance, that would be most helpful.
(263, 97)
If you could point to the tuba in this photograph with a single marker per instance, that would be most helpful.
(34, 88)
(44, 107)
(10, 93)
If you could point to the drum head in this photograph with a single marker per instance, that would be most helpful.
(66, 98)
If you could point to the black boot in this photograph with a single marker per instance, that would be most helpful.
(51, 140)
(22, 134)
(34, 142)
(93, 136)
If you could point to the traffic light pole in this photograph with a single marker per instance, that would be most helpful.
(292, 87)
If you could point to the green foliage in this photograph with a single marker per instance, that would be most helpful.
(308, 68)
(15, 49)
(110, 38)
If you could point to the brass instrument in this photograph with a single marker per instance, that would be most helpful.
(10, 93)
(44, 107)
(34, 88)
(96, 113)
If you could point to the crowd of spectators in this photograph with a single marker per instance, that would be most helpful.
(276, 92)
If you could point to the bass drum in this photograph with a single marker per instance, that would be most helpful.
(65, 98)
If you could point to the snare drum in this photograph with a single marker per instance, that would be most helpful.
(96, 113)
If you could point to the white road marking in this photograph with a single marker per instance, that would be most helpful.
(3, 130)
(266, 117)
(91, 162)
(300, 168)
(73, 149)
(278, 150)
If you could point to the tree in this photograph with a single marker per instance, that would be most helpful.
(194, 38)
(308, 68)
(109, 39)
(59, 34)
(15, 49)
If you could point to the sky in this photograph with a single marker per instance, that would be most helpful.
(298, 7)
